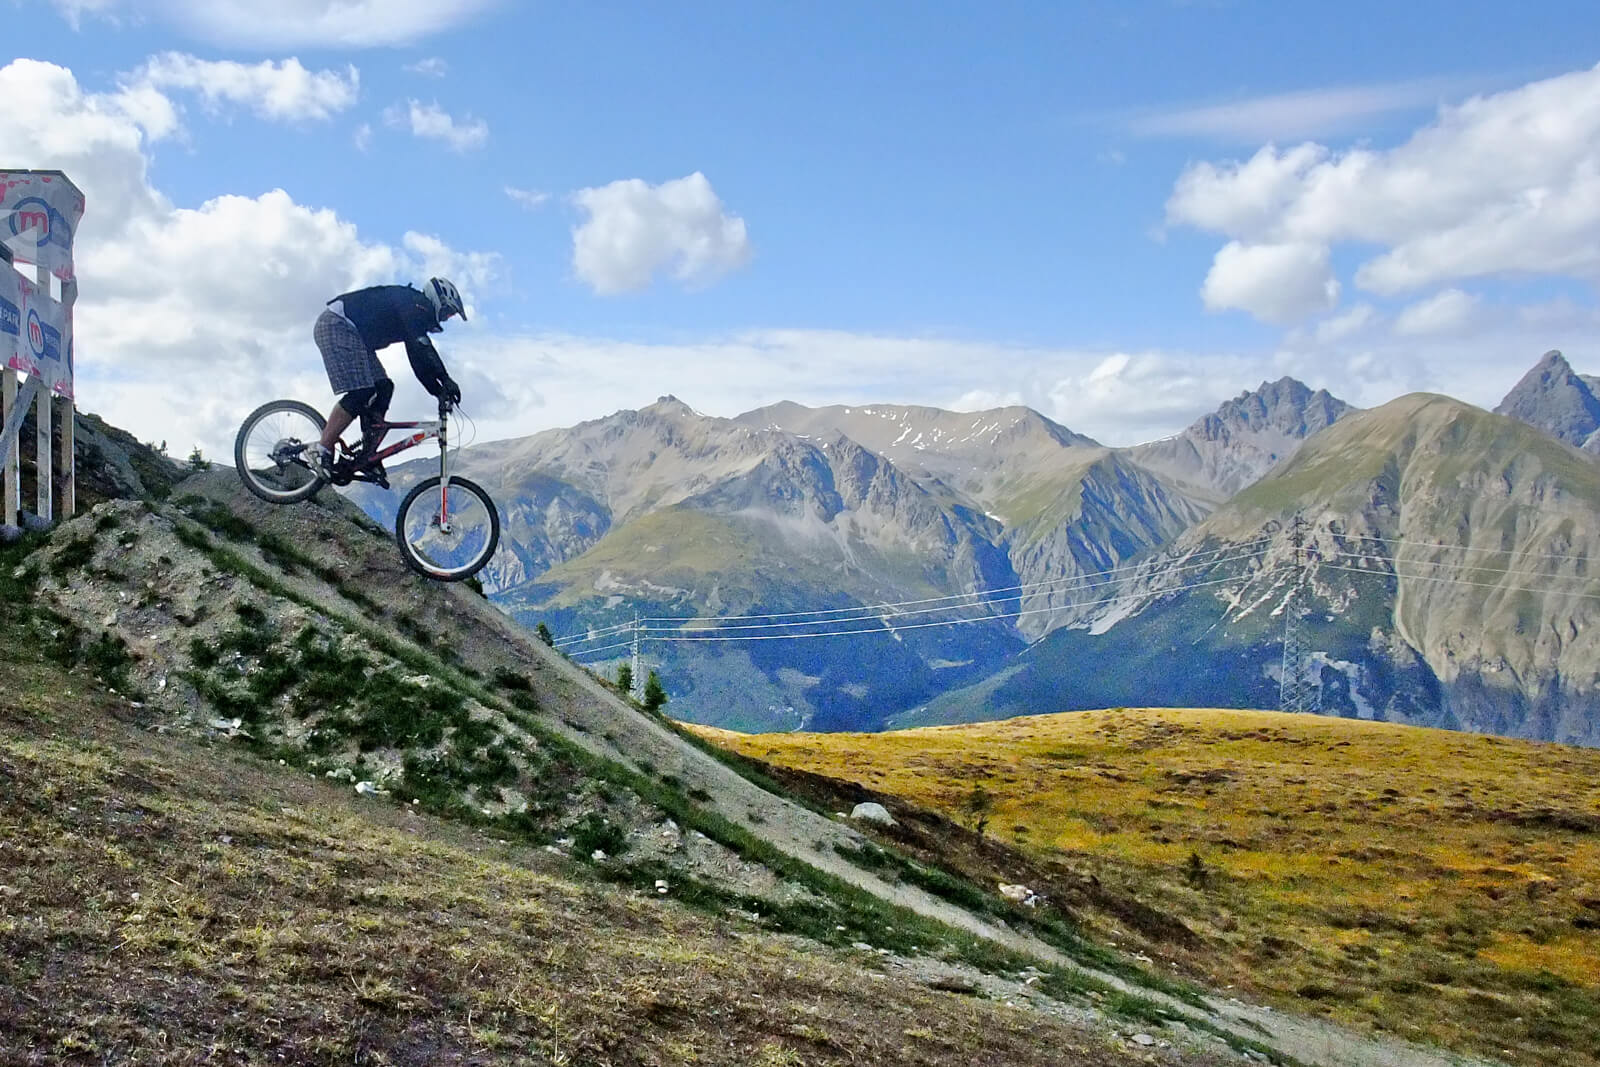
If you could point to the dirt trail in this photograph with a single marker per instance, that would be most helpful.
(601, 722)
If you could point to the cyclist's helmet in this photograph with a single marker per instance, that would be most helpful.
(446, 301)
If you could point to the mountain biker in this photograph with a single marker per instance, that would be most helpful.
(349, 334)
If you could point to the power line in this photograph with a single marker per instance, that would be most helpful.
(1466, 548)
(872, 610)
(882, 616)
(888, 629)
(885, 624)
(1463, 581)
(594, 635)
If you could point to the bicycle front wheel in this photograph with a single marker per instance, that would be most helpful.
(270, 451)
(447, 536)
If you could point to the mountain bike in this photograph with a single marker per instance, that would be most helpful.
(447, 526)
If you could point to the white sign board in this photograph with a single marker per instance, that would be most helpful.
(39, 215)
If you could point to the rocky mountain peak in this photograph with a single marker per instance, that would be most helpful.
(1287, 405)
(1553, 398)
(1230, 448)
(670, 406)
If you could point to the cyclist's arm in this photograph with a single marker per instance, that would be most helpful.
(429, 369)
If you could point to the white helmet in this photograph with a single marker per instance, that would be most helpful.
(445, 299)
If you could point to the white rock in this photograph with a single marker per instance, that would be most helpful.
(1143, 1039)
(872, 812)
(365, 788)
(1018, 893)
(598, 855)
(861, 946)
(661, 885)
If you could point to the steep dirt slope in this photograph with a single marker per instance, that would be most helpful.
(227, 617)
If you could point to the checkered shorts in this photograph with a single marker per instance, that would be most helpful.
(350, 363)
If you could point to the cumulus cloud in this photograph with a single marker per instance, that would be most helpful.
(1346, 324)
(1444, 312)
(1503, 184)
(187, 315)
(433, 122)
(284, 90)
(1274, 282)
(293, 23)
(635, 230)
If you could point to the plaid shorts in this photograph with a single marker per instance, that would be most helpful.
(349, 362)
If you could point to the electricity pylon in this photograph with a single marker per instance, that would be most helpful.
(1300, 684)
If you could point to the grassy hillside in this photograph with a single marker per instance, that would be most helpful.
(190, 690)
(174, 902)
(1442, 885)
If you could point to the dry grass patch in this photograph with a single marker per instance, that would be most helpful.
(1444, 886)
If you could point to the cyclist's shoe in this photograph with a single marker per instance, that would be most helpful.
(319, 460)
(379, 474)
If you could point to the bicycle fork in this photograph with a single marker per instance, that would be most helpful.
(442, 519)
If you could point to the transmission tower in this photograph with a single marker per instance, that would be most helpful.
(1300, 684)
(638, 683)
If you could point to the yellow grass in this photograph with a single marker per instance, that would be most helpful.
(1441, 884)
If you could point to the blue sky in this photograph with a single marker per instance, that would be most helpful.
(1119, 214)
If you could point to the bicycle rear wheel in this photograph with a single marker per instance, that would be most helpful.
(447, 537)
(270, 447)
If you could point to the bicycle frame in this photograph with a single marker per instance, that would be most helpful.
(361, 461)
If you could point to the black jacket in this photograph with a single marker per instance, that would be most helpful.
(386, 314)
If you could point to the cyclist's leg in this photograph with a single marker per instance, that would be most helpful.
(352, 367)
(376, 411)
(370, 405)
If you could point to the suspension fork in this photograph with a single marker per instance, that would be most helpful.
(444, 469)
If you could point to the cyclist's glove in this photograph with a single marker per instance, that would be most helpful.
(449, 391)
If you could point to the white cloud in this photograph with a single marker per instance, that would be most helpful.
(1274, 282)
(635, 229)
(363, 137)
(284, 90)
(1506, 184)
(433, 122)
(74, 10)
(528, 198)
(472, 272)
(1346, 324)
(291, 23)
(1305, 113)
(189, 316)
(1444, 312)
(432, 67)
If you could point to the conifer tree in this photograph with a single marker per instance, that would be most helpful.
(654, 696)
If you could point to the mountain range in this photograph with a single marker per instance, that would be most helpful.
(854, 567)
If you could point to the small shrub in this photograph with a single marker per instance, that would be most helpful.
(593, 832)
(108, 657)
(509, 679)
(73, 555)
